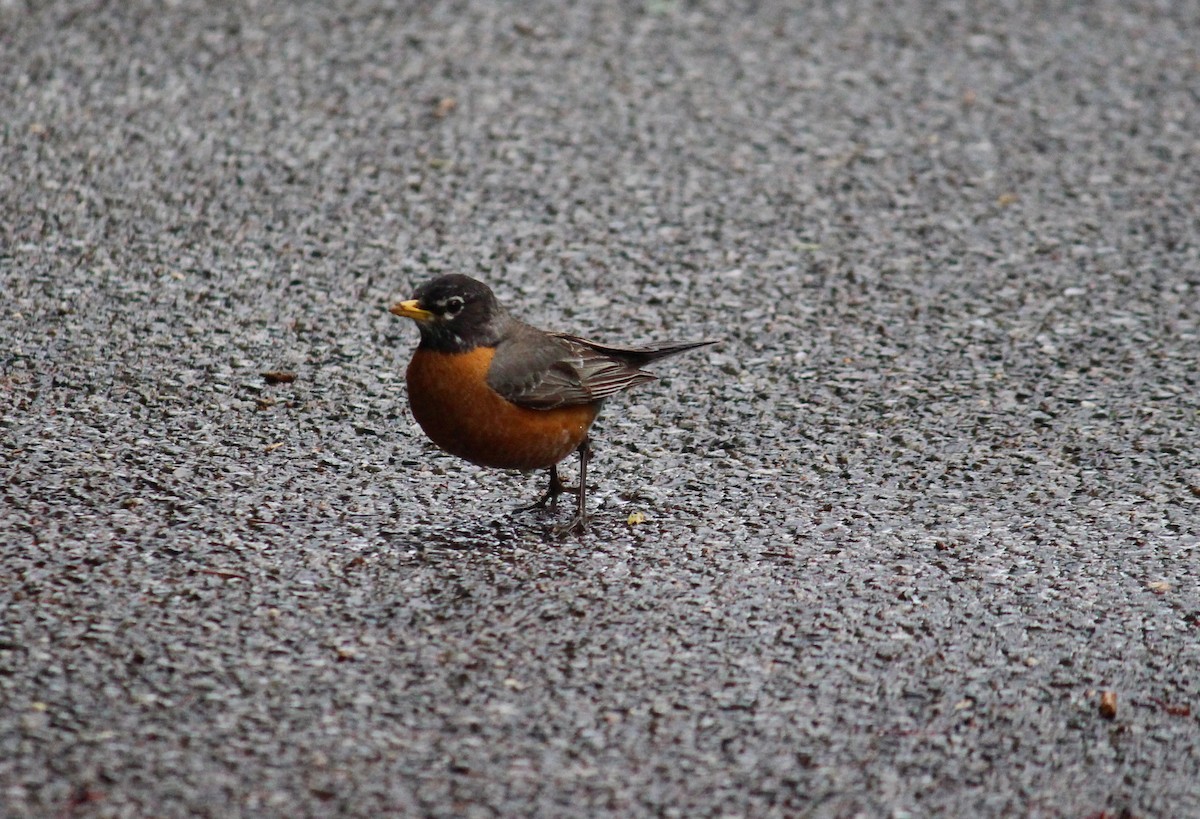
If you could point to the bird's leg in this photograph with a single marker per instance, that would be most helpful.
(555, 489)
(579, 522)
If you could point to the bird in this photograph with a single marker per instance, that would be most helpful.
(498, 392)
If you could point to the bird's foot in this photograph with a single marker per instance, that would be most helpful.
(550, 496)
(577, 526)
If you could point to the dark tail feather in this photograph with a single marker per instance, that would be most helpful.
(641, 356)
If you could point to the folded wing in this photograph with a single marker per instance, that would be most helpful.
(544, 371)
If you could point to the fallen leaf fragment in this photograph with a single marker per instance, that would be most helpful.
(279, 376)
(224, 575)
(1108, 704)
(1171, 708)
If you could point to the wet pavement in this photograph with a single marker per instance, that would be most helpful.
(918, 538)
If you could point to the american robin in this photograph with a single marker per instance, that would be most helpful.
(498, 392)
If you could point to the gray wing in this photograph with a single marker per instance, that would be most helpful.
(640, 355)
(541, 371)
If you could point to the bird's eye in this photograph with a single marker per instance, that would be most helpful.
(454, 306)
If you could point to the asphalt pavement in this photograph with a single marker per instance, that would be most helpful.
(918, 538)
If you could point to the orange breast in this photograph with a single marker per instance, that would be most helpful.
(452, 402)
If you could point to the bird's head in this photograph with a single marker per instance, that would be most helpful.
(453, 313)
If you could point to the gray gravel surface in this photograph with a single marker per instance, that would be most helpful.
(935, 494)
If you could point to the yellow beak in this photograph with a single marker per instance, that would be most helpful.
(410, 309)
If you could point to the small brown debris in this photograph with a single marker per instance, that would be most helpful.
(1108, 704)
(1159, 586)
(224, 575)
(279, 377)
(324, 794)
(445, 107)
(1171, 708)
(84, 796)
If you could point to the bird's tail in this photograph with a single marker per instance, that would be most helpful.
(641, 355)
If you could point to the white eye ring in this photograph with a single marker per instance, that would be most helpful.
(454, 305)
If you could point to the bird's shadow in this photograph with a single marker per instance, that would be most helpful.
(517, 528)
